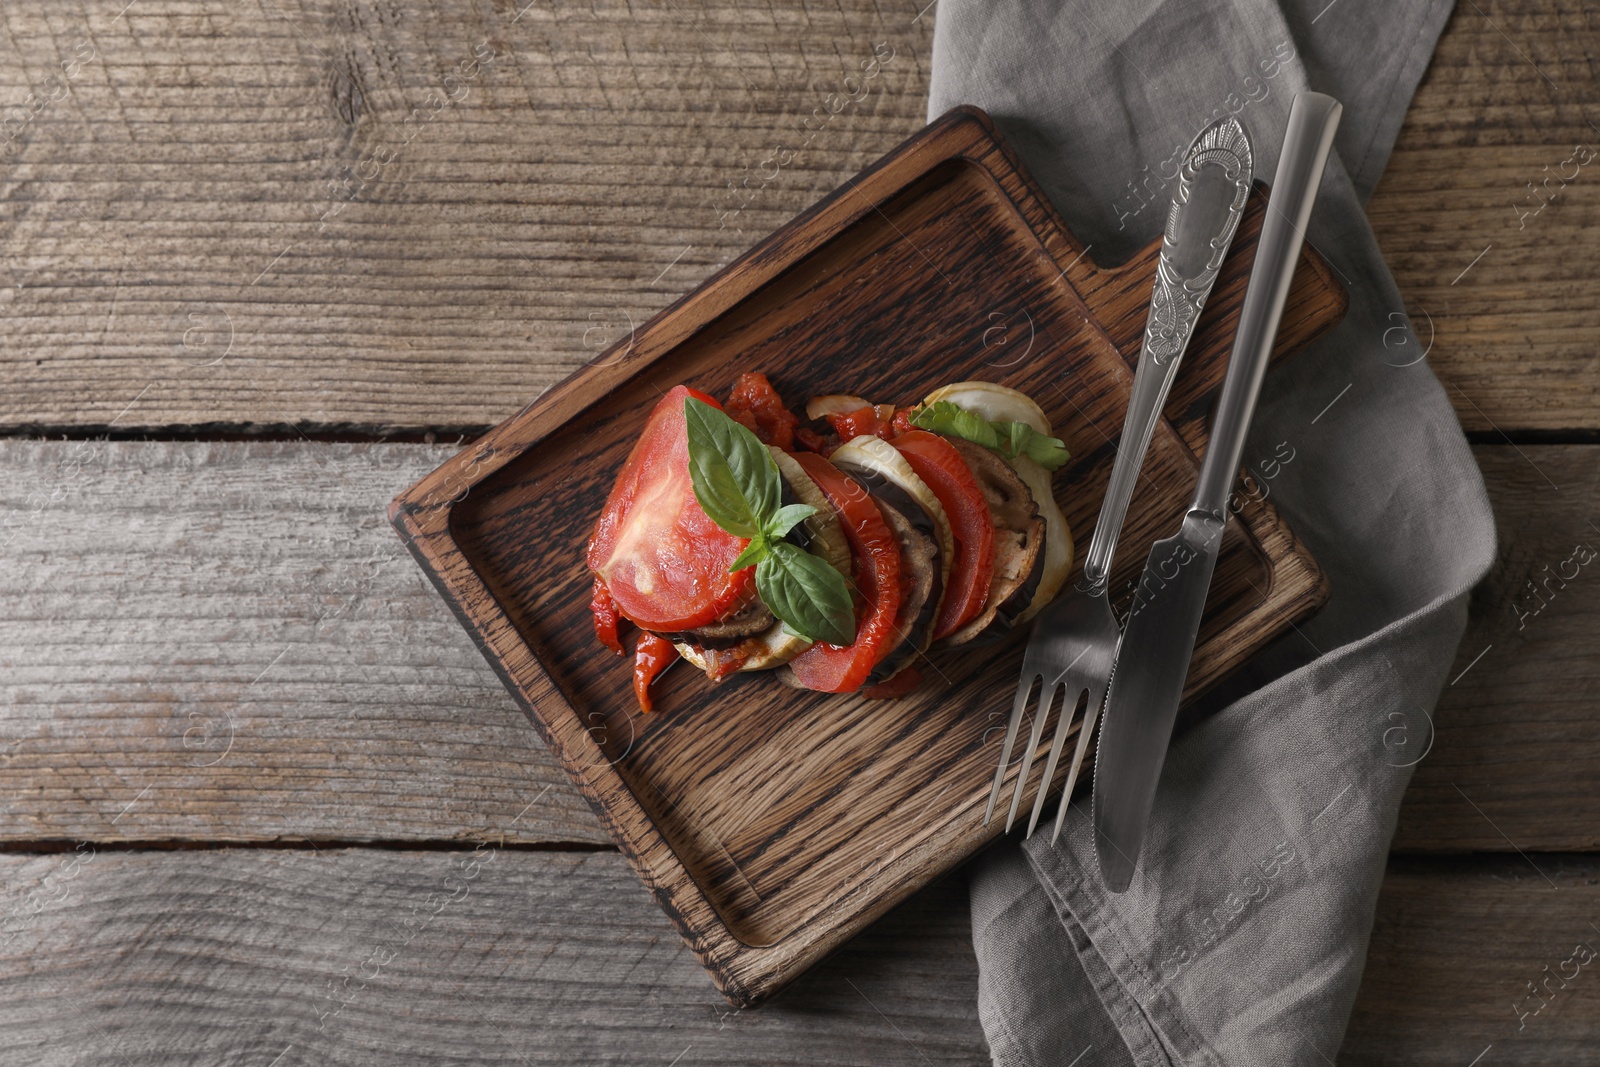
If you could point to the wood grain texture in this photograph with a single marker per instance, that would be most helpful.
(335, 213)
(758, 814)
(152, 595)
(1517, 754)
(243, 179)
(1454, 951)
(360, 956)
(224, 642)
(1507, 98)
(504, 958)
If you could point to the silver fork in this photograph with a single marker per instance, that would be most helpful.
(1074, 642)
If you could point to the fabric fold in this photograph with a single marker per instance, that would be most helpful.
(1242, 938)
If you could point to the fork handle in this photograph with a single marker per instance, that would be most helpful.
(1213, 186)
(1151, 383)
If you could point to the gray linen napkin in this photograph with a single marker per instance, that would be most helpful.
(1242, 938)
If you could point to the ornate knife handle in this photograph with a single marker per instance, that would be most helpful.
(1213, 186)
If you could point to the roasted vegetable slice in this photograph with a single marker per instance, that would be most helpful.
(998, 403)
(776, 644)
(877, 458)
(1018, 546)
(842, 668)
(939, 464)
(921, 584)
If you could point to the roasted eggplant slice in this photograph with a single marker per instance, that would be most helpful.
(748, 621)
(921, 584)
(882, 464)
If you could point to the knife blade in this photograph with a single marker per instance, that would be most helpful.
(1158, 640)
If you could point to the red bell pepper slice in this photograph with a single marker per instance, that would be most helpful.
(938, 464)
(651, 656)
(842, 668)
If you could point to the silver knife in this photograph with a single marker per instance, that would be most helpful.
(1158, 641)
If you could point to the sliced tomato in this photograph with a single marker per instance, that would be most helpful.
(652, 655)
(662, 559)
(937, 463)
(842, 668)
(757, 405)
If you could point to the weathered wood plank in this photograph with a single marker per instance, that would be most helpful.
(540, 958)
(153, 588)
(1503, 107)
(362, 956)
(352, 213)
(1517, 750)
(230, 214)
(227, 642)
(1456, 946)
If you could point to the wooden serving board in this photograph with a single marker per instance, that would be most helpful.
(772, 824)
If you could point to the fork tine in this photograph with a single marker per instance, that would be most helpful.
(1091, 716)
(1047, 696)
(1024, 687)
(1069, 704)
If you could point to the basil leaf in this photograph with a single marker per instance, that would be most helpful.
(734, 477)
(753, 553)
(1007, 438)
(809, 596)
(737, 484)
(1023, 440)
(1049, 452)
(788, 517)
(944, 417)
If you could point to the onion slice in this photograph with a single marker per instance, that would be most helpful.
(996, 403)
(833, 404)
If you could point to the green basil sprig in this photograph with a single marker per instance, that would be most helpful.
(739, 487)
(1007, 438)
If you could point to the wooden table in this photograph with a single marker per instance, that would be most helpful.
(267, 262)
